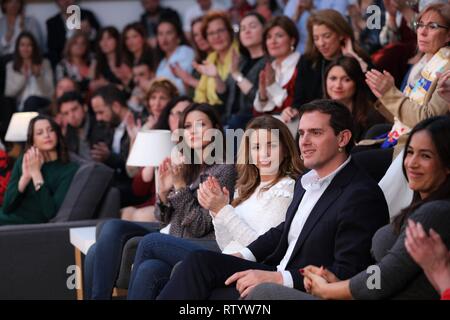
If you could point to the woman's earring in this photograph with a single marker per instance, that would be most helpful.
(292, 48)
(341, 149)
(301, 157)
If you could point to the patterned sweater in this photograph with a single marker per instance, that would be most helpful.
(186, 217)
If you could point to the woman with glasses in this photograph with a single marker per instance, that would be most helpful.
(420, 99)
(217, 30)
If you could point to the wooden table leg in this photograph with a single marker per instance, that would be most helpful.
(79, 279)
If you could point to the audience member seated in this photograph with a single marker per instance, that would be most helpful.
(13, 22)
(237, 11)
(277, 79)
(110, 107)
(62, 86)
(82, 130)
(200, 9)
(172, 48)
(202, 49)
(431, 254)
(154, 13)
(57, 33)
(325, 222)
(40, 177)
(427, 166)
(268, 163)
(135, 46)
(242, 83)
(419, 100)
(329, 36)
(299, 11)
(177, 206)
(142, 79)
(76, 61)
(143, 180)
(268, 8)
(109, 66)
(215, 69)
(344, 81)
(161, 91)
(29, 76)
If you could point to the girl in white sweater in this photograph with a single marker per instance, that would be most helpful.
(268, 164)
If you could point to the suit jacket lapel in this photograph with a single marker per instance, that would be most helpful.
(325, 201)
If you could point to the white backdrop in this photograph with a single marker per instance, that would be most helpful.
(116, 12)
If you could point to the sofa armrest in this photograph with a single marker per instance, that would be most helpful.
(35, 258)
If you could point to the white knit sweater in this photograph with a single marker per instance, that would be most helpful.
(236, 228)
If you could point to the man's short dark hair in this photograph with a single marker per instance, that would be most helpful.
(110, 94)
(341, 117)
(69, 97)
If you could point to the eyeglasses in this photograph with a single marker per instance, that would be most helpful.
(430, 26)
(217, 32)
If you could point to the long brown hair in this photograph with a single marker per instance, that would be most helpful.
(61, 147)
(333, 20)
(249, 177)
(100, 56)
(36, 57)
(439, 130)
(71, 41)
(362, 100)
(191, 171)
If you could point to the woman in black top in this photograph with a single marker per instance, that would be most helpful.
(329, 36)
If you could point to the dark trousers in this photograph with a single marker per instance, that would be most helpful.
(202, 276)
(102, 262)
(156, 256)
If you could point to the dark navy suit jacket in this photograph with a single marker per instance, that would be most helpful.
(338, 231)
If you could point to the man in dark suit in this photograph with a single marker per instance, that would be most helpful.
(335, 211)
(57, 32)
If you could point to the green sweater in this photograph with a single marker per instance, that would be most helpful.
(36, 206)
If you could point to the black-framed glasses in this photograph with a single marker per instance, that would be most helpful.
(430, 26)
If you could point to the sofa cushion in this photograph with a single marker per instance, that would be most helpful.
(85, 192)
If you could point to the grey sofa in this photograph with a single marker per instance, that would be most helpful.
(34, 258)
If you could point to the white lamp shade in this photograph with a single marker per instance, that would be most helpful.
(18, 126)
(150, 148)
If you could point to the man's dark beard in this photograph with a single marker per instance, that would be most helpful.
(115, 121)
(82, 124)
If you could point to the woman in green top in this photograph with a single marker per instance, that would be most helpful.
(40, 177)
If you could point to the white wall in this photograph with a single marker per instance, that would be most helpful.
(117, 13)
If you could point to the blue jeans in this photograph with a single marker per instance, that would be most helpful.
(156, 256)
(102, 262)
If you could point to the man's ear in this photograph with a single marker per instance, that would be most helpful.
(344, 138)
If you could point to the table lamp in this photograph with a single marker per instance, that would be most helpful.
(18, 126)
(150, 148)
